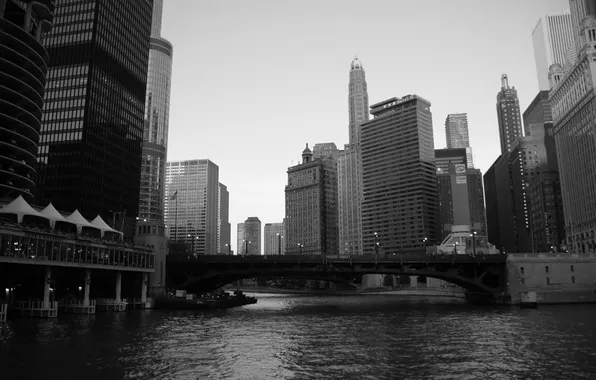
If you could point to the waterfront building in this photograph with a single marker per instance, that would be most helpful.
(523, 163)
(349, 165)
(274, 239)
(510, 125)
(191, 203)
(400, 205)
(23, 68)
(224, 229)
(249, 239)
(461, 195)
(552, 38)
(311, 206)
(573, 102)
(91, 137)
(155, 132)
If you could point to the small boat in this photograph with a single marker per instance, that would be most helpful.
(211, 301)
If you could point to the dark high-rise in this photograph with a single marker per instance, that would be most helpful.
(23, 65)
(510, 125)
(92, 127)
(400, 206)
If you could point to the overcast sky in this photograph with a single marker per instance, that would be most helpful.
(255, 80)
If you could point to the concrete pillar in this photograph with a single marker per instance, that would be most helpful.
(413, 281)
(144, 288)
(118, 286)
(87, 287)
(46, 288)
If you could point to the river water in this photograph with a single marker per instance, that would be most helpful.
(307, 337)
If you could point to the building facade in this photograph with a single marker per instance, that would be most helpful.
(538, 112)
(23, 68)
(224, 229)
(311, 206)
(492, 206)
(510, 125)
(552, 38)
(191, 203)
(400, 205)
(251, 237)
(349, 165)
(456, 131)
(461, 194)
(573, 101)
(241, 242)
(155, 133)
(274, 239)
(92, 128)
(523, 164)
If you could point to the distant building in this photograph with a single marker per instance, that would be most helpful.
(349, 166)
(552, 38)
(23, 25)
(311, 206)
(241, 242)
(400, 205)
(492, 206)
(573, 100)
(192, 190)
(510, 125)
(92, 129)
(251, 237)
(224, 229)
(274, 239)
(461, 195)
(538, 112)
(456, 131)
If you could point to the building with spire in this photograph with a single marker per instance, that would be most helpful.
(311, 205)
(573, 100)
(349, 165)
(509, 117)
(155, 132)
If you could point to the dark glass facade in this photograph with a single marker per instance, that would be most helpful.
(92, 128)
(492, 206)
(400, 202)
(23, 67)
(538, 112)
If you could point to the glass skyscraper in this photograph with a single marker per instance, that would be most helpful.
(92, 127)
(155, 135)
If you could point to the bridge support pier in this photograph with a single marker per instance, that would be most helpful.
(144, 288)
(118, 287)
(46, 288)
(87, 287)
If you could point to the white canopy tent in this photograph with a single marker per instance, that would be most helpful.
(53, 215)
(80, 222)
(20, 208)
(99, 223)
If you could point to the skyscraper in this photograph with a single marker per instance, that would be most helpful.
(349, 166)
(510, 126)
(92, 128)
(191, 203)
(155, 135)
(573, 100)
(223, 221)
(274, 239)
(23, 63)
(311, 206)
(400, 205)
(251, 237)
(552, 38)
(456, 130)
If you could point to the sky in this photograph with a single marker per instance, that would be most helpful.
(254, 81)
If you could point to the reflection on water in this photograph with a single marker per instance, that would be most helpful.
(305, 337)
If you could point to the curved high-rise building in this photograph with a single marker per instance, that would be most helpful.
(155, 136)
(23, 68)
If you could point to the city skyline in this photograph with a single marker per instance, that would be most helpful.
(304, 71)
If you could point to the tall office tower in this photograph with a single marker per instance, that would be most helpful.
(523, 170)
(251, 237)
(573, 101)
(500, 209)
(552, 37)
(274, 239)
(191, 201)
(492, 206)
(349, 166)
(311, 206)
(241, 242)
(23, 60)
(461, 194)
(224, 229)
(325, 150)
(510, 126)
(538, 112)
(456, 133)
(92, 127)
(400, 206)
(155, 135)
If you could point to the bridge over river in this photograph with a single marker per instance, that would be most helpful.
(483, 275)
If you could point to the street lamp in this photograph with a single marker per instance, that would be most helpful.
(376, 247)
(246, 243)
(229, 249)
(279, 237)
(473, 235)
(301, 246)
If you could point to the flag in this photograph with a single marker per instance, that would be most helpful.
(174, 196)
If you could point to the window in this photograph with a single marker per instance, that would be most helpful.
(572, 268)
(548, 281)
(546, 269)
(522, 281)
(573, 279)
(521, 269)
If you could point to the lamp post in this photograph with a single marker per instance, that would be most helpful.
(279, 237)
(246, 243)
(376, 247)
(425, 242)
(473, 235)
(229, 249)
(301, 246)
